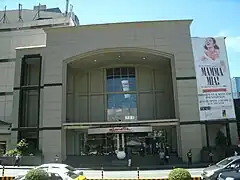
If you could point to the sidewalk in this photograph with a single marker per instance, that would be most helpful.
(160, 167)
(123, 168)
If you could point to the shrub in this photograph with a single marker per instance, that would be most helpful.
(179, 174)
(22, 146)
(12, 152)
(37, 174)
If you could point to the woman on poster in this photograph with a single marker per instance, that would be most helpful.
(212, 53)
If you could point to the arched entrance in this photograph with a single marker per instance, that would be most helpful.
(116, 101)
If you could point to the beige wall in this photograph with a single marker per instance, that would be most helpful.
(66, 44)
(11, 40)
(191, 138)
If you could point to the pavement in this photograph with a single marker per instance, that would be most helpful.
(195, 172)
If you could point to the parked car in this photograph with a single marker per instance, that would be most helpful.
(233, 167)
(56, 174)
(53, 166)
(230, 175)
(227, 163)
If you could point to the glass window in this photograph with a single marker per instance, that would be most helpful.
(121, 107)
(29, 107)
(121, 79)
(31, 71)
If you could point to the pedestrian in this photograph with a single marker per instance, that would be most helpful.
(167, 157)
(81, 177)
(17, 160)
(142, 150)
(56, 159)
(189, 156)
(211, 156)
(162, 156)
(129, 156)
(235, 153)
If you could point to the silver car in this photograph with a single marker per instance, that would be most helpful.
(223, 164)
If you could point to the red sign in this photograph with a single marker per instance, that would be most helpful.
(119, 129)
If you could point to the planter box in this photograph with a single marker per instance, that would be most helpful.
(26, 160)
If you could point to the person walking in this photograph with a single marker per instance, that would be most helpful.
(129, 156)
(211, 156)
(189, 156)
(56, 159)
(17, 160)
(162, 156)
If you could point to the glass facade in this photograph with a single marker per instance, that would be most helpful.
(121, 94)
(236, 87)
(84, 144)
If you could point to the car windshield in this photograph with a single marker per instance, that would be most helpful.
(70, 168)
(72, 175)
(224, 162)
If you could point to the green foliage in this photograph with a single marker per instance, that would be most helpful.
(22, 146)
(37, 174)
(221, 139)
(12, 152)
(179, 174)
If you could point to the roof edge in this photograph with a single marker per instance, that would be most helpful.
(118, 23)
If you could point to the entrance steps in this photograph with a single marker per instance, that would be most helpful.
(112, 161)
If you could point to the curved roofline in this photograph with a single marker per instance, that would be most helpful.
(189, 21)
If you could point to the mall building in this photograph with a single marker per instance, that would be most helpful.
(93, 90)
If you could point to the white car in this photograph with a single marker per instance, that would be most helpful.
(53, 166)
(56, 174)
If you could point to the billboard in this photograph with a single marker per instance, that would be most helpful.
(213, 79)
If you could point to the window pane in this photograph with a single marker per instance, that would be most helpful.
(121, 82)
(124, 72)
(116, 72)
(122, 107)
(29, 107)
(110, 72)
(31, 71)
(131, 71)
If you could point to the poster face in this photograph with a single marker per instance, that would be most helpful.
(213, 79)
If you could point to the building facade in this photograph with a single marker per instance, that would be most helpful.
(236, 87)
(22, 27)
(96, 90)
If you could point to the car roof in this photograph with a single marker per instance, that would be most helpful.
(234, 157)
(55, 164)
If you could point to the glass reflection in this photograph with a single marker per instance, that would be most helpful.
(121, 106)
(117, 78)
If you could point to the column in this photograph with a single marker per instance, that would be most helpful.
(118, 142)
(123, 141)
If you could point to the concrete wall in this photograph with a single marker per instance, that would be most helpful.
(172, 37)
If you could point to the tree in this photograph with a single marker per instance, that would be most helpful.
(37, 174)
(221, 139)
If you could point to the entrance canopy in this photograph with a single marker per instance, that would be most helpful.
(120, 130)
(162, 122)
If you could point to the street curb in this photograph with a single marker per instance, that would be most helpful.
(7, 178)
(193, 178)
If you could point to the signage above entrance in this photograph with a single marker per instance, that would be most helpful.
(120, 130)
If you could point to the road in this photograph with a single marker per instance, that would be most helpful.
(11, 171)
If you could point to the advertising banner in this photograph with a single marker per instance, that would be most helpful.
(213, 79)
